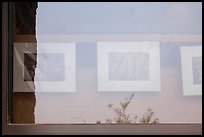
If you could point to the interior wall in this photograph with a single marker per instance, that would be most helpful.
(88, 105)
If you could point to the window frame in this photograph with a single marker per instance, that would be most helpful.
(22, 129)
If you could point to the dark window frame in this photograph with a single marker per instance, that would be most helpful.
(9, 129)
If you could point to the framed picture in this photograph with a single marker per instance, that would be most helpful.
(191, 63)
(44, 67)
(128, 66)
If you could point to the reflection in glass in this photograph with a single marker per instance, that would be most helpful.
(197, 70)
(128, 66)
(86, 24)
(51, 67)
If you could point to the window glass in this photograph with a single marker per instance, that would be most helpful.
(103, 63)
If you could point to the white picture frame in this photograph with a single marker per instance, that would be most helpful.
(191, 64)
(61, 78)
(109, 78)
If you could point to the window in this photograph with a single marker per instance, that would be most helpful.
(71, 64)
